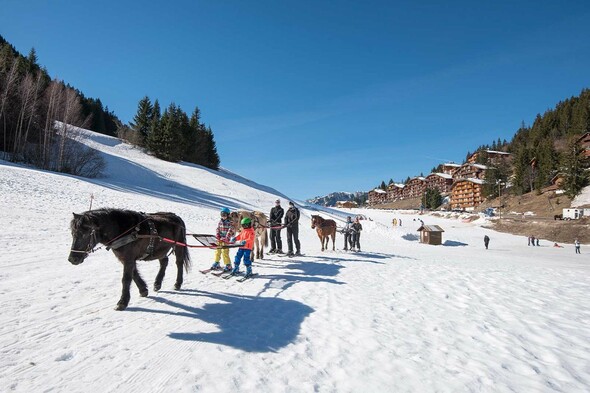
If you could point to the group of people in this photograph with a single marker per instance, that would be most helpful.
(291, 223)
(532, 240)
(225, 236)
(352, 234)
(396, 222)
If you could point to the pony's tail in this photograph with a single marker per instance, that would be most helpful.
(182, 250)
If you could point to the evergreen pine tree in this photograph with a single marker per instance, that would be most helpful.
(142, 120)
(574, 166)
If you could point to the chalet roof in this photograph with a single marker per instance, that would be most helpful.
(396, 185)
(479, 166)
(379, 191)
(471, 179)
(418, 178)
(452, 164)
(431, 228)
(353, 202)
(445, 175)
(497, 152)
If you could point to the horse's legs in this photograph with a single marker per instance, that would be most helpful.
(333, 242)
(141, 285)
(321, 241)
(179, 272)
(161, 273)
(128, 272)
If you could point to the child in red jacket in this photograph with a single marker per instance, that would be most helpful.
(246, 237)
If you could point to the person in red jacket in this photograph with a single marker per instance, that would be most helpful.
(246, 238)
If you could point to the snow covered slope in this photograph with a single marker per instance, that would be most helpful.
(399, 316)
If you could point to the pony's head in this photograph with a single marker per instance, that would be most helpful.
(315, 220)
(85, 237)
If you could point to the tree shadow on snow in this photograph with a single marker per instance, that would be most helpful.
(248, 323)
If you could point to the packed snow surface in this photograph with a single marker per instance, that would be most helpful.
(400, 316)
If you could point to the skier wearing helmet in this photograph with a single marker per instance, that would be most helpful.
(246, 239)
(225, 232)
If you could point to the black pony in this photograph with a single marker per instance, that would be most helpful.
(132, 236)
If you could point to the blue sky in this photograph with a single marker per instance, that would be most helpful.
(312, 97)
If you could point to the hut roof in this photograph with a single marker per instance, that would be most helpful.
(430, 228)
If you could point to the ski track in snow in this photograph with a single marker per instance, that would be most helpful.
(399, 316)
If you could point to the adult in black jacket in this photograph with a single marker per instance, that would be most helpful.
(292, 225)
(357, 227)
(276, 216)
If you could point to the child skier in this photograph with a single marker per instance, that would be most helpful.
(246, 238)
(224, 234)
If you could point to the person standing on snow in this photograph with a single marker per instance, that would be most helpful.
(577, 245)
(225, 232)
(357, 227)
(276, 216)
(486, 241)
(246, 239)
(347, 231)
(292, 225)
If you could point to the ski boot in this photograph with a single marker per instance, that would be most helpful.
(227, 269)
(215, 266)
(248, 271)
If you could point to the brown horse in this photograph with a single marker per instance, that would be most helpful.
(259, 223)
(325, 229)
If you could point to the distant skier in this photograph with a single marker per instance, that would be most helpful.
(292, 225)
(224, 233)
(399, 222)
(577, 245)
(486, 241)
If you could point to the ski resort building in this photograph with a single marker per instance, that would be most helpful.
(346, 204)
(377, 196)
(450, 167)
(584, 142)
(395, 192)
(414, 187)
(467, 193)
(443, 182)
(493, 156)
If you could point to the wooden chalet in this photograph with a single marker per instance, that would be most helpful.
(556, 183)
(470, 171)
(467, 193)
(414, 188)
(395, 192)
(346, 204)
(431, 234)
(584, 142)
(443, 182)
(450, 167)
(377, 196)
(493, 156)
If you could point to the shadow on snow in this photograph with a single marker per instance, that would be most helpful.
(248, 323)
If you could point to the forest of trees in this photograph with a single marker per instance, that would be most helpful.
(38, 116)
(172, 135)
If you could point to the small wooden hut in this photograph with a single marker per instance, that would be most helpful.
(431, 234)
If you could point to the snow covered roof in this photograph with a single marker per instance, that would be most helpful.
(480, 166)
(471, 179)
(431, 228)
(379, 191)
(497, 152)
(445, 175)
(452, 164)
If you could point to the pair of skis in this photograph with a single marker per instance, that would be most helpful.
(226, 275)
